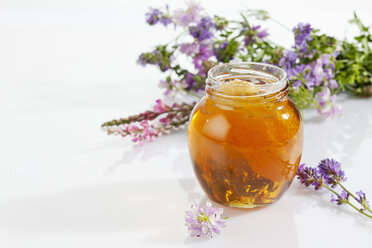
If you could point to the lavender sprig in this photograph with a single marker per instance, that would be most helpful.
(151, 124)
(328, 174)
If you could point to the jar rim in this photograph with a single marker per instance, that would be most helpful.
(218, 75)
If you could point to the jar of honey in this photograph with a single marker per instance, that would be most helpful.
(245, 135)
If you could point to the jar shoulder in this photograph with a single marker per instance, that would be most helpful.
(278, 121)
(284, 109)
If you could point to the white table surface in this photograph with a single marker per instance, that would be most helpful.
(68, 66)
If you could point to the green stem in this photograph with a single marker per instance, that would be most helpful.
(352, 195)
(352, 205)
(192, 94)
(281, 24)
(177, 37)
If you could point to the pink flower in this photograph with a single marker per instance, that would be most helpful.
(139, 133)
(160, 107)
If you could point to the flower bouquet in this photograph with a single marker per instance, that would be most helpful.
(318, 66)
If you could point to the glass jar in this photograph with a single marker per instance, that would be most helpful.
(245, 136)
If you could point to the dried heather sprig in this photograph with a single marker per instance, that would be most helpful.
(151, 124)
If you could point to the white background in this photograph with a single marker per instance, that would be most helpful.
(68, 66)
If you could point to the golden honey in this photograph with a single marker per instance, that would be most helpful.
(245, 136)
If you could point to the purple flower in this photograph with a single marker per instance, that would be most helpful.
(302, 36)
(204, 221)
(160, 56)
(325, 58)
(205, 52)
(189, 80)
(203, 30)
(341, 198)
(329, 75)
(155, 16)
(299, 69)
(218, 50)
(253, 33)
(288, 61)
(317, 71)
(202, 55)
(331, 171)
(172, 87)
(189, 48)
(146, 58)
(362, 199)
(325, 101)
(260, 33)
(190, 15)
(297, 84)
(309, 176)
(333, 84)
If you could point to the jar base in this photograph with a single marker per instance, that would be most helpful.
(245, 206)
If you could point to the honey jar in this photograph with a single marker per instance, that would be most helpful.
(245, 135)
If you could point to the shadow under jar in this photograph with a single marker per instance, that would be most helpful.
(245, 136)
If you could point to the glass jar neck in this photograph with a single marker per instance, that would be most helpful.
(247, 81)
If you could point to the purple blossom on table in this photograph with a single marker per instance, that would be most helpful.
(192, 14)
(203, 30)
(154, 16)
(331, 171)
(309, 176)
(341, 198)
(326, 103)
(328, 174)
(204, 221)
(362, 199)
